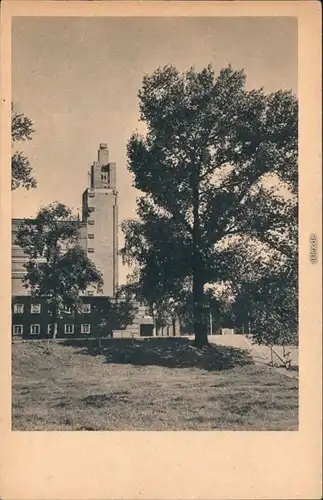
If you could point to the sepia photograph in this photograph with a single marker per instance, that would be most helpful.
(160, 214)
(154, 224)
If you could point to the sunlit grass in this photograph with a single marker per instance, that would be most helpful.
(127, 388)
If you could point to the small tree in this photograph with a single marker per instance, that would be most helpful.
(21, 172)
(58, 268)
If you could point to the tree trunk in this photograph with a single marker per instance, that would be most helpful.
(55, 322)
(200, 322)
(155, 327)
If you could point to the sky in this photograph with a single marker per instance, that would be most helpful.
(78, 80)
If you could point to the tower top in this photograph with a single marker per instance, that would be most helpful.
(103, 172)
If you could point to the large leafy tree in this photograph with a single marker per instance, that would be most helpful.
(211, 150)
(58, 269)
(22, 129)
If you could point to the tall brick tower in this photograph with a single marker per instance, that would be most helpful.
(100, 214)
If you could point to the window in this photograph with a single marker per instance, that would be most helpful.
(18, 329)
(91, 194)
(67, 310)
(85, 328)
(86, 308)
(35, 308)
(90, 236)
(90, 222)
(34, 329)
(90, 250)
(18, 308)
(68, 329)
(91, 209)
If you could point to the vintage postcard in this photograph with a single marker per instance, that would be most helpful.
(161, 263)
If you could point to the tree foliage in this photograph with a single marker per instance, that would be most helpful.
(264, 293)
(58, 268)
(22, 129)
(211, 168)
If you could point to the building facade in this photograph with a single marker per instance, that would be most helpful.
(31, 320)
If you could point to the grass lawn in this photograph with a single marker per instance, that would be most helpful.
(158, 385)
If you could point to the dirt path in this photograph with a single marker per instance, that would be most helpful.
(260, 353)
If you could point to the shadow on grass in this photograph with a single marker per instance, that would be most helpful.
(167, 352)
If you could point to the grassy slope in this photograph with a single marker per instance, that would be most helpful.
(137, 388)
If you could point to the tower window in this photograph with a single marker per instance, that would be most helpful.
(86, 308)
(90, 236)
(91, 194)
(91, 209)
(105, 177)
(90, 222)
(90, 250)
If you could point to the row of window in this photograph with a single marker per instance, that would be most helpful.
(36, 309)
(35, 329)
